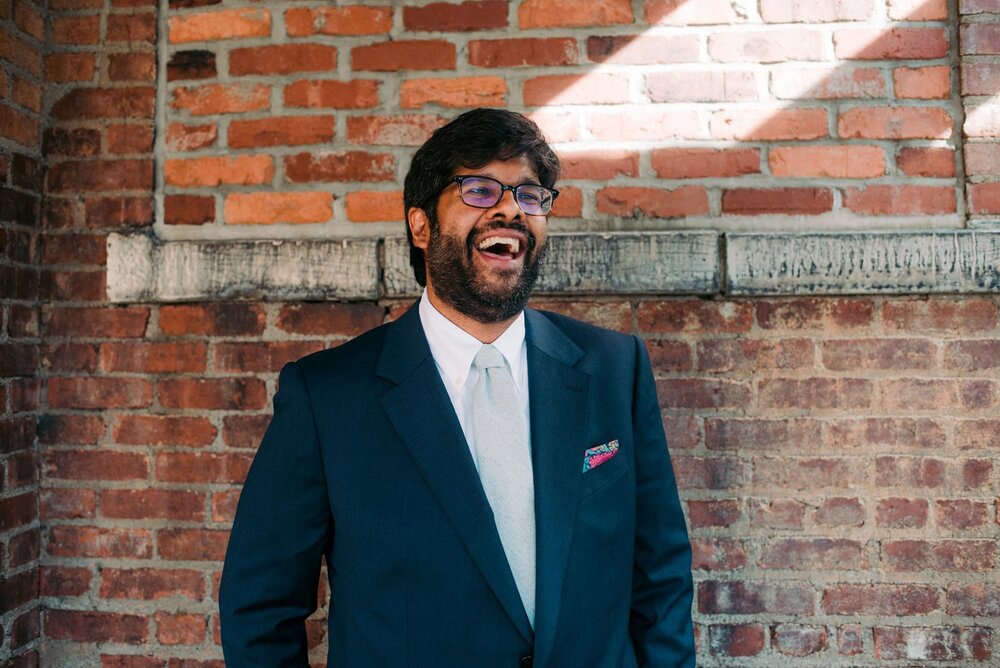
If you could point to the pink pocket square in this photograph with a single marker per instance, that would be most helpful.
(599, 454)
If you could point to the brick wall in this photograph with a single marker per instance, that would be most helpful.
(22, 34)
(837, 456)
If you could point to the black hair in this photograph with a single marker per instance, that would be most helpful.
(471, 140)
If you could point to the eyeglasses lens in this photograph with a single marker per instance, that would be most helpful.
(484, 193)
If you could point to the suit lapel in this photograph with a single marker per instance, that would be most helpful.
(422, 414)
(559, 398)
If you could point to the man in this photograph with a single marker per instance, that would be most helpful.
(489, 485)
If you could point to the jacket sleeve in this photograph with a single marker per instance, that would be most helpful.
(660, 618)
(282, 527)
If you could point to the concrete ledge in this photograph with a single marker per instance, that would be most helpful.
(954, 261)
(142, 268)
(594, 263)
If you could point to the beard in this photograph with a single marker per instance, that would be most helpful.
(477, 292)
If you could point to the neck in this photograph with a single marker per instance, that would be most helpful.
(487, 332)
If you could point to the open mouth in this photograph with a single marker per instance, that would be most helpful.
(501, 247)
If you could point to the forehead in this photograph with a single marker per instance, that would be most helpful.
(513, 171)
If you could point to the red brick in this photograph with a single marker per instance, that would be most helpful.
(181, 137)
(724, 355)
(224, 506)
(982, 159)
(787, 201)
(764, 125)
(95, 465)
(404, 55)
(566, 13)
(736, 639)
(76, 30)
(82, 541)
(806, 473)
(697, 163)
(654, 124)
(746, 597)
(560, 89)
(569, 204)
(164, 430)
(828, 83)
(935, 644)
(702, 393)
(912, 472)
(926, 83)
(880, 599)
(683, 431)
(128, 139)
(56, 429)
(669, 355)
(984, 198)
(202, 467)
(151, 584)
(192, 64)
(244, 431)
(840, 512)
(134, 28)
(72, 285)
(213, 393)
(976, 473)
(818, 11)
(273, 207)
(653, 202)
(717, 554)
(226, 24)
(776, 514)
(282, 59)
(101, 175)
(153, 504)
(914, 161)
(180, 628)
(977, 599)
(895, 123)
(843, 355)
(21, 53)
(212, 320)
(192, 544)
(29, 20)
(947, 315)
(760, 434)
(66, 67)
(850, 640)
(766, 46)
(712, 513)
(694, 316)
(115, 212)
(707, 473)
(644, 49)
(132, 67)
(977, 434)
(880, 433)
(918, 10)
(892, 43)
(961, 514)
(368, 206)
(261, 356)
(97, 103)
(842, 162)
(84, 626)
(449, 17)
(281, 131)
(683, 13)
(798, 639)
(598, 164)
(99, 393)
(68, 503)
(982, 39)
(822, 553)
(64, 581)
(19, 127)
(74, 249)
(356, 94)
(348, 20)
(340, 166)
(188, 209)
(702, 86)
(485, 91)
(153, 357)
(19, 590)
(18, 511)
(972, 355)
(222, 98)
(408, 130)
(219, 170)
(523, 52)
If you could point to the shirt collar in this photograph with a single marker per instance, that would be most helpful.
(454, 349)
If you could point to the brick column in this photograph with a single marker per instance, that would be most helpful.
(22, 31)
(980, 49)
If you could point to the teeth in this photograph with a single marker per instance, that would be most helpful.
(512, 243)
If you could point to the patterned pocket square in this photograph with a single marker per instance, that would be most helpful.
(599, 454)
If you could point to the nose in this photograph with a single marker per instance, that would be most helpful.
(506, 205)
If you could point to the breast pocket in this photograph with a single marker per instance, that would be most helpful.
(610, 470)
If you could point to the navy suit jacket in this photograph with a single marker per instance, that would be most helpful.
(365, 464)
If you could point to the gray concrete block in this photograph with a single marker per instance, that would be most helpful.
(142, 268)
(600, 263)
(863, 263)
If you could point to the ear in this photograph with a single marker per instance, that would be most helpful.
(420, 227)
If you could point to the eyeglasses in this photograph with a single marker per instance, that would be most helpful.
(483, 192)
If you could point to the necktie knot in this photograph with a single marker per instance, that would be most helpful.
(488, 357)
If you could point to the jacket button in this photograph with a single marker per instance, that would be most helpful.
(525, 661)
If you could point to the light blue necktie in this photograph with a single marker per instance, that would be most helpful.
(505, 467)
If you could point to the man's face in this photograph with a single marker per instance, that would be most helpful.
(484, 262)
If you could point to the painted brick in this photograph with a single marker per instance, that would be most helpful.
(843, 162)
(215, 25)
(348, 20)
(368, 206)
(356, 94)
(282, 59)
(484, 91)
(635, 202)
(463, 16)
(565, 13)
(404, 55)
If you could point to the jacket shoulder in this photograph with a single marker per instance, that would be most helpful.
(590, 337)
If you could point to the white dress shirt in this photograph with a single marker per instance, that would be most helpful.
(454, 349)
